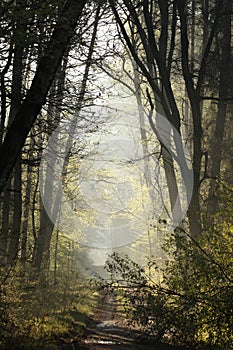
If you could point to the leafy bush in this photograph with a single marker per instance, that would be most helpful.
(192, 306)
(36, 314)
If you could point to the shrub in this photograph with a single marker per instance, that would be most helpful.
(192, 306)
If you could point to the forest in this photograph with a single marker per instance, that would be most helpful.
(116, 162)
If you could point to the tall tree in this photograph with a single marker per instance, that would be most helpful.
(157, 57)
(46, 225)
(19, 38)
(36, 96)
(225, 71)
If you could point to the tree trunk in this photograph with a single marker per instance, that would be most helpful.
(147, 173)
(224, 86)
(42, 253)
(16, 225)
(16, 99)
(5, 223)
(46, 225)
(26, 213)
(194, 214)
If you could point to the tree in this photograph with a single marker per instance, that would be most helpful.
(42, 251)
(36, 96)
(157, 27)
(224, 96)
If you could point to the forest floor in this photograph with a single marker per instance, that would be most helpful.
(108, 330)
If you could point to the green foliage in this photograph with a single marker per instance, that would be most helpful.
(39, 314)
(192, 306)
(201, 278)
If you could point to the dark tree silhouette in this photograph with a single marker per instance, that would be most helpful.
(36, 96)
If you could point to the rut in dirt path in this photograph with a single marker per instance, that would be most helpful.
(109, 331)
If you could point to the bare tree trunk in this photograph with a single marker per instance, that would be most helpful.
(224, 86)
(147, 175)
(33, 215)
(46, 226)
(26, 213)
(5, 224)
(16, 225)
(194, 214)
(42, 253)
(4, 93)
(56, 256)
(16, 99)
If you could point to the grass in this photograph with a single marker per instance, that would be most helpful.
(44, 317)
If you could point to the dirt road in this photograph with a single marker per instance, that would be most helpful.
(109, 331)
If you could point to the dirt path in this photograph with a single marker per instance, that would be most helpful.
(109, 331)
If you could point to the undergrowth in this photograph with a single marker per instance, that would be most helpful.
(36, 313)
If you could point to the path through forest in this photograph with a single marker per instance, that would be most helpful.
(109, 331)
